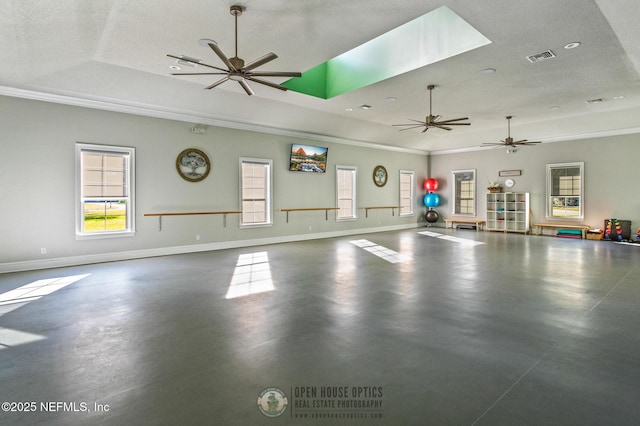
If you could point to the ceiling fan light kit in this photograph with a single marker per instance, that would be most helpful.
(236, 68)
(433, 120)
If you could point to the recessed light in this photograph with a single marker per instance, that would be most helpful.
(390, 99)
(206, 41)
(487, 71)
(553, 108)
(572, 45)
(349, 109)
(365, 106)
(175, 67)
(617, 98)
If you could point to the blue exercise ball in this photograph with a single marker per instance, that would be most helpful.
(431, 200)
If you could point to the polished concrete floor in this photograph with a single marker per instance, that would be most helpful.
(435, 328)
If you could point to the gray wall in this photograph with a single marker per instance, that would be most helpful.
(37, 171)
(37, 175)
(611, 176)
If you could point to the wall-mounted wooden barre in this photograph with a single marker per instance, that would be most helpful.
(224, 213)
(326, 211)
(366, 209)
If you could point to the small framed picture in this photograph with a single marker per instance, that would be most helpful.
(502, 173)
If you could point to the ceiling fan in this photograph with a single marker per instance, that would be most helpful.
(236, 68)
(432, 120)
(509, 142)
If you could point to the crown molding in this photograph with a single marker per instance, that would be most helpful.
(189, 117)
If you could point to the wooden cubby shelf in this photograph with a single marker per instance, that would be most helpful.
(508, 212)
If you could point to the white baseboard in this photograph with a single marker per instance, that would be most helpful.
(59, 262)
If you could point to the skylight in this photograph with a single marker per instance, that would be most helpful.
(433, 37)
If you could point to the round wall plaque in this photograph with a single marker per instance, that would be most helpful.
(193, 165)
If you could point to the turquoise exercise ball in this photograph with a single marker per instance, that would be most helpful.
(431, 200)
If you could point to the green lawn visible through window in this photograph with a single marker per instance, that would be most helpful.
(105, 216)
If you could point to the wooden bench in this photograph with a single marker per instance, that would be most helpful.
(541, 226)
(478, 223)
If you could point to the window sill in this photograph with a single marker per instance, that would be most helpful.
(256, 225)
(105, 235)
(346, 219)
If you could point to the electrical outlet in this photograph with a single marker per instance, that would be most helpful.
(198, 237)
(43, 250)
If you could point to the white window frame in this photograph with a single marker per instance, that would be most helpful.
(455, 197)
(129, 184)
(268, 195)
(410, 198)
(354, 180)
(550, 195)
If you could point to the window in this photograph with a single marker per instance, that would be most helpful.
(105, 191)
(255, 181)
(406, 193)
(565, 190)
(464, 192)
(346, 192)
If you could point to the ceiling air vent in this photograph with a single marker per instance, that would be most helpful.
(547, 54)
(595, 101)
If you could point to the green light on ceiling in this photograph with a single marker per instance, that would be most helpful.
(437, 35)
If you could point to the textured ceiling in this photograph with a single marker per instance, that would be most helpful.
(115, 51)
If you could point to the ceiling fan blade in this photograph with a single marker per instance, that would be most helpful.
(217, 83)
(421, 123)
(196, 62)
(526, 143)
(222, 56)
(425, 129)
(199, 73)
(439, 126)
(268, 83)
(246, 87)
(409, 128)
(260, 61)
(275, 74)
(494, 144)
(456, 119)
(453, 124)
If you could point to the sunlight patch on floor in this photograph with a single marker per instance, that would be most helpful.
(451, 238)
(380, 251)
(21, 296)
(251, 276)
